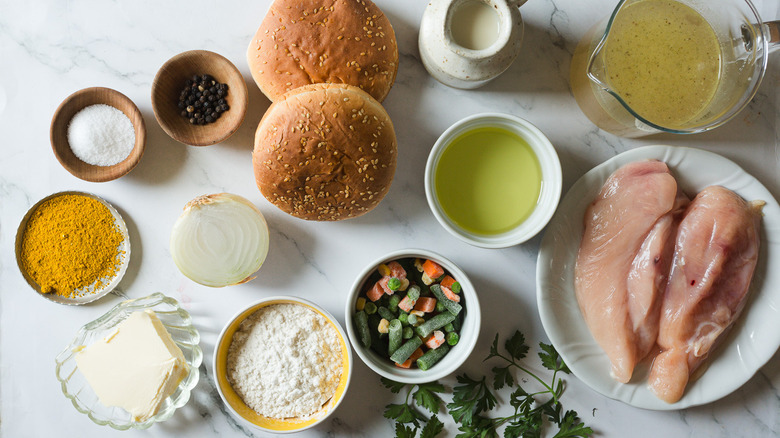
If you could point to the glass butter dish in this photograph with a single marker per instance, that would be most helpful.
(176, 321)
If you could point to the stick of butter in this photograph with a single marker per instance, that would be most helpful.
(136, 367)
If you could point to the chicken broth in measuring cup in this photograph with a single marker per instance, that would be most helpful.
(680, 66)
(663, 59)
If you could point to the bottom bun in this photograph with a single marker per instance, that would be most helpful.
(325, 152)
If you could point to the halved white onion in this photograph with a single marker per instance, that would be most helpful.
(219, 240)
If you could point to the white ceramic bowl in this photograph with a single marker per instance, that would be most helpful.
(236, 405)
(551, 179)
(457, 355)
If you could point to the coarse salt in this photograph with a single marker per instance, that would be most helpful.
(101, 135)
(285, 361)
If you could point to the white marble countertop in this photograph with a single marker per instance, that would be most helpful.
(51, 49)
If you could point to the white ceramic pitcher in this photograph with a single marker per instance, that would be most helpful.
(461, 67)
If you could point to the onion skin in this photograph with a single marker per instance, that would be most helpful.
(189, 218)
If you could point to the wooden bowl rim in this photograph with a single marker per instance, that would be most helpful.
(91, 172)
(213, 136)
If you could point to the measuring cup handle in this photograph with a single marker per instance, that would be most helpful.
(772, 31)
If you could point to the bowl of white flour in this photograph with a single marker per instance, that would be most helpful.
(283, 364)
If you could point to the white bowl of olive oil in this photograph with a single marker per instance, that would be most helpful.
(493, 180)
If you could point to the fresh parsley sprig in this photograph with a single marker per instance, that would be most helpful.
(406, 415)
(473, 397)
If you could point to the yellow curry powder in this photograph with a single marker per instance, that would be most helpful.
(70, 242)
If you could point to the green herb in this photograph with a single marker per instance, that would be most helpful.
(408, 417)
(473, 397)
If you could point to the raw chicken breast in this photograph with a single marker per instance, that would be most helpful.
(623, 260)
(714, 258)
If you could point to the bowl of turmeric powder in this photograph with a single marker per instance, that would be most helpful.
(72, 247)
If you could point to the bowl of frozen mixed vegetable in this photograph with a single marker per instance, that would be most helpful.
(413, 316)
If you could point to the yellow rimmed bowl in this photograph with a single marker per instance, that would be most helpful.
(100, 287)
(176, 321)
(236, 405)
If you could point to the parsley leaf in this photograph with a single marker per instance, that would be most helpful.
(516, 346)
(392, 385)
(426, 396)
(481, 427)
(551, 359)
(402, 431)
(571, 426)
(402, 413)
(502, 376)
(432, 428)
(470, 398)
(494, 349)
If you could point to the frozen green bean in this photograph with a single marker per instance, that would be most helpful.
(404, 351)
(395, 336)
(361, 325)
(425, 329)
(385, 313)
(393, 303)
(450, 305)
(427, 360)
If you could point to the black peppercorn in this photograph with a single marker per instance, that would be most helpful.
(203, 99)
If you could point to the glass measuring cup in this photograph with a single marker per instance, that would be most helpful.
(679, 66)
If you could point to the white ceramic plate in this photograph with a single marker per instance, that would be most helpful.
(756, 334)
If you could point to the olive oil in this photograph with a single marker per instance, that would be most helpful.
(488, 180)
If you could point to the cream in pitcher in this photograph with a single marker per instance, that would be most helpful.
(680, 66)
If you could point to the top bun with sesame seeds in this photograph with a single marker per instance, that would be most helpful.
(303, 42)
(325, 152)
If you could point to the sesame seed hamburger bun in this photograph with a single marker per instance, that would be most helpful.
(303, 42)
(325, 152)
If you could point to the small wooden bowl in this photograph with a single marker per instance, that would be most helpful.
(74, 103)
(171, 80)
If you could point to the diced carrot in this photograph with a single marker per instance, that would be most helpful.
(406, 304)
(450, 294)
(383, 284)
(396, 270)
(375, 292)
(435, 340)
(408, 364)
(425, 304)
(447, 281)
(432, 269)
